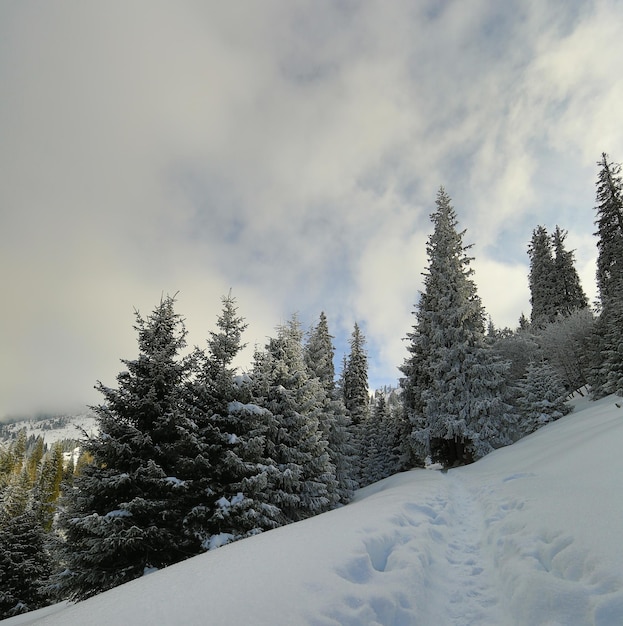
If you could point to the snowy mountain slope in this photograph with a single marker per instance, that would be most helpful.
(529, 535)
(52, 429)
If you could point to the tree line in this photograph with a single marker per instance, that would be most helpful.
(192, 455)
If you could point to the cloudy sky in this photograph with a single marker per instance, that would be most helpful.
(290, 150)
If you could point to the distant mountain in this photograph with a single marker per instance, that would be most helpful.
(52, 428)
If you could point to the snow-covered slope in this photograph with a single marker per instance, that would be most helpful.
(52, 429)
(530, 535)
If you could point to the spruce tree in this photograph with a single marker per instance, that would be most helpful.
(334, 420)
(609, 224)
(606, 371)
(566, 344)
(124, 514)
(356, 398)
(25, 564)
(570, 296)
(542, 397)
(463, 410)
(48, 487)
(542, 278)
(380, 452)
(304, 483)
(237, 430)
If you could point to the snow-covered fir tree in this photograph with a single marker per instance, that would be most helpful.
(569, 296)
(305, 482)
(606, 351)
(454, 383)
(125, 513)
(25, 564)
(609, 223)
(355, 378)
(542, 397)
(239, 505)
(542, 278)
(354, 386)
(334, 420)
(566, 343)
(47, 488)
(384, 437)
(378, 456)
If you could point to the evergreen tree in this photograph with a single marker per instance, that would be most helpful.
(609, 230)
(48, 487)
(305, 481)
(566, 343)
(606, 350)
(463, 411)
(381, 451)
(125, 513)
(16, 495)
(237, 429)
(542, 278)
(356, 396)
(334, 421)
(570, 296)
(24, 564)
(542, 397)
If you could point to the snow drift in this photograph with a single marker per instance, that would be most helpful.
(531, 534)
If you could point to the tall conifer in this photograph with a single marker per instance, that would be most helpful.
(125, 512)
(463, 412)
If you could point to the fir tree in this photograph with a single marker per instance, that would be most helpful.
(305, 483)
(570, 296)
(356, 398)
(542, 278)
(381, 452)
(125, 512)
(463, 411)
(609, 224)
(334, 421)
(237, 429)
(606, 351)
(24, 564)
(48, 487)
(542, 397)
(566, 343)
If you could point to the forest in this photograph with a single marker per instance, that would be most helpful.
(191, 454)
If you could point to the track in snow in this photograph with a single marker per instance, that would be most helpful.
(427, 566)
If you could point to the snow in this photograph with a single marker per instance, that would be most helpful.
(56, 428)
(529, 535)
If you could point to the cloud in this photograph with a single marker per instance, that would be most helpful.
(289, 150)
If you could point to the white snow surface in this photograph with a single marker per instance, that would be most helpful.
(72, 429)
(529, 535)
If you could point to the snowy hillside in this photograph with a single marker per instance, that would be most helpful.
(529, 535)
(52, 429)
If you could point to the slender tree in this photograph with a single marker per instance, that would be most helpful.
(305, 482)
(356, 396)
(542, 278)
(609, 224)
(334, 420)
(570, 296)
(606, 371)
(237, 431)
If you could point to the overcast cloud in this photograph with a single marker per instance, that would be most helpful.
(290, 150)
